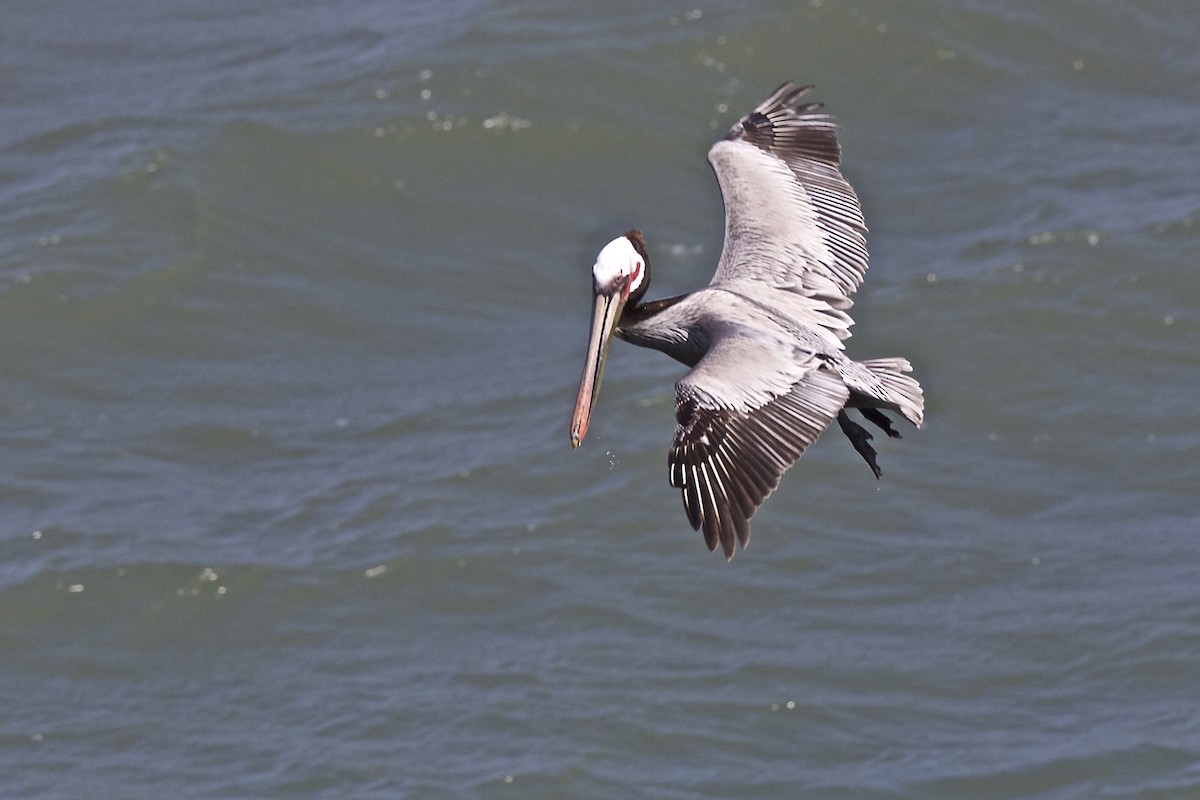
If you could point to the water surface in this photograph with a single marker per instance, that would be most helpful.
(292, 309)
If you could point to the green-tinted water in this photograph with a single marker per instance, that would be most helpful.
(292, 310)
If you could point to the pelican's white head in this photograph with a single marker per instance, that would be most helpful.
(620, 276)
(622, 263)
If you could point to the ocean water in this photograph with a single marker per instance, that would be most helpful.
(293, 303)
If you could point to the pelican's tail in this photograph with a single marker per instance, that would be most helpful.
(892, 388)
(881, 383)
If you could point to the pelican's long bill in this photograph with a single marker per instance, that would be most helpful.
(609, 304)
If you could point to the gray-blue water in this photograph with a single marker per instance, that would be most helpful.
(293, 302)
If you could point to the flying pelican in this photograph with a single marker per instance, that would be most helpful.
(764, 339)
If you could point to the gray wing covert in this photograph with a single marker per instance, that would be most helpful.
(791, 219)
(735, 439)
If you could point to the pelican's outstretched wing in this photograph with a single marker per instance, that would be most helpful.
(746, 412)
(792, 222)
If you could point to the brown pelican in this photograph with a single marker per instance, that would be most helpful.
(764, 339)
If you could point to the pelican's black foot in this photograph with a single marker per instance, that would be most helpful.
(882, 420)
(860, 438)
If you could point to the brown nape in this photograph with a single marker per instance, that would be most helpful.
(638, 241)
(642, 311)
(639, 245)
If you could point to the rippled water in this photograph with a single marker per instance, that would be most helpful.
(292, 309)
